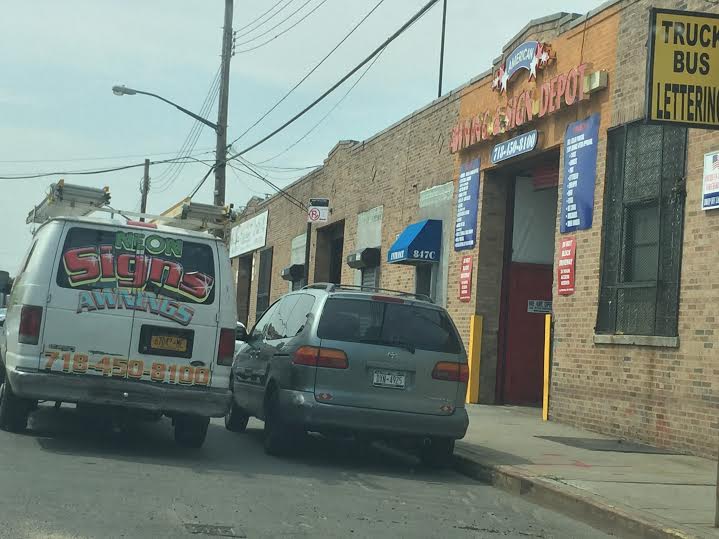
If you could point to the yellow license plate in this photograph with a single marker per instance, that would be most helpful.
(172, 344)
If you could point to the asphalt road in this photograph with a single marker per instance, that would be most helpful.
(69, 478)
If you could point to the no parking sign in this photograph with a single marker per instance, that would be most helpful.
(319, 210)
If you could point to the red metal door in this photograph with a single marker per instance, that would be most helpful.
(524, 345)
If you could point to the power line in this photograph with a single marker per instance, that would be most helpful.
(310, 72)
(283, 32)
(258, 18)
(281, 191)
(379, 49)
(201, 151)
(359, 66)
(258, 36)
(315, 126)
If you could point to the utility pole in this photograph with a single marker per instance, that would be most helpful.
(145, 188)
(441, 48)
(221, 148)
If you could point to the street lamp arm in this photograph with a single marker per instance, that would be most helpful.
(214, 126)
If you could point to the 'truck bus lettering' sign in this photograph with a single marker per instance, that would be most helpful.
(683, 68)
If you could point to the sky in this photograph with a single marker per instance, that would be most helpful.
(59, 61)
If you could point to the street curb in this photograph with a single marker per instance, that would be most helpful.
(571, 501)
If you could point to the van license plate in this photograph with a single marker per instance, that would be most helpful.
(166, 342)
(388, 379)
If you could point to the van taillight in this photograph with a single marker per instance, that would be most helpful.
(226, 348)
(328, 358)
(30, 321)
(451, 372)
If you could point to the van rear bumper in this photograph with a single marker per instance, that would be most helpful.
(301, 408)
(206, 402)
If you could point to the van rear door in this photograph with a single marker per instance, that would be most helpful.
(401, 355)
(175, 328)
(88, 322)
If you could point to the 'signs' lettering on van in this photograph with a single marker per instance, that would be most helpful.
(109, 299)
(86, 266)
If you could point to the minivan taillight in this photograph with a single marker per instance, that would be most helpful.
(328, 358)
(226, 348)
(451, 372)
(30, 321)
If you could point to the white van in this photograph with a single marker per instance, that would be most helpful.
(135, 315)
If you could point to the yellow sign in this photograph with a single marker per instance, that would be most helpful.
(683, 68)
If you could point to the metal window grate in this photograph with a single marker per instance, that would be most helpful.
(642, 231)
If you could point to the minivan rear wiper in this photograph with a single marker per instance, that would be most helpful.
(395, 343)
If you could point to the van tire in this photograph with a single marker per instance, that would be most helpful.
(437, 452)
(13, 409)
(191, 431)
(236, 418)
(276, 432)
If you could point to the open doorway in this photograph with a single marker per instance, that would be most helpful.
(244, 282)
(527, 277)
(328, 258)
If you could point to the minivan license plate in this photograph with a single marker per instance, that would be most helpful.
(169, 343)
(388, 379)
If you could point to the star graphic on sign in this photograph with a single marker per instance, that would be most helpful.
(498, 78)
(505, 78)
(533, 68)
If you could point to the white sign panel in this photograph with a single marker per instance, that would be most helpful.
(710, 183)
(249, 235)
(318, 214)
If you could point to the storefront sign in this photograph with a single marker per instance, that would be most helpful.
(249, 235)
(710, 185)
(465, 227)
(539, 306)
(565, 266)
(515, 146)
(465, 279)
(683, 68)
(580, 170)
(553, 95)
(530, 56)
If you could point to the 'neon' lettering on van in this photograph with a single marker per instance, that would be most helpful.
(89, 265)
(113, 299)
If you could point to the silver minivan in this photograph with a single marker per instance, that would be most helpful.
(337, 359)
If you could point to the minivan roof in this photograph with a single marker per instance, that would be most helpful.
(119, 224)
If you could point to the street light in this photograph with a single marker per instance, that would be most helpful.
(124, 90)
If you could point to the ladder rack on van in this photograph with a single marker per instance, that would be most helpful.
(68, 200)
(332, 287)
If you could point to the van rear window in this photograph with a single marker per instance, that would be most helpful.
(138, 261)
(377, 322)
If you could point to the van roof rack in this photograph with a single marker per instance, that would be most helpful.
(333, 287)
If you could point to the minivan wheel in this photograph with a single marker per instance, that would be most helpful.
(13, 409)
(277, 434)
(191, 431)
(236, 419)
(437, 452)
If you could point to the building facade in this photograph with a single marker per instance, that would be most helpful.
(537, 187)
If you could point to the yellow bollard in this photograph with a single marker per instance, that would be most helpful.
(475, 347)
(547, 352)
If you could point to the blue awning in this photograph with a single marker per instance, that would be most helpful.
(419, 242)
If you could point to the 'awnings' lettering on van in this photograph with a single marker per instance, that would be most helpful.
(110, 298)
(89, 265)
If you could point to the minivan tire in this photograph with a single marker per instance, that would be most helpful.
(437, 452)
(191, 431)
(13, 410)
(236, 419)
(277, 433)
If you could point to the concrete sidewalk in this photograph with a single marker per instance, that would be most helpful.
(620, 487)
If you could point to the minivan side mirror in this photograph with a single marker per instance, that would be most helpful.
(241, 333)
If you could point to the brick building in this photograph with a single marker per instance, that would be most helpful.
(582, 209)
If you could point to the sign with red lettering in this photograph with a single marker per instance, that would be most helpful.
(465, 279)
(565, 266)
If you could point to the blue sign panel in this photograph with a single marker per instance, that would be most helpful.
(580, 170)
(513, 147)
(465, 227)
(521, 58)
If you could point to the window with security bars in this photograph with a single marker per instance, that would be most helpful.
(642, 230)
(264, 282)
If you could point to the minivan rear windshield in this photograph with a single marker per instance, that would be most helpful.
(399, 324)
(150, 262)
